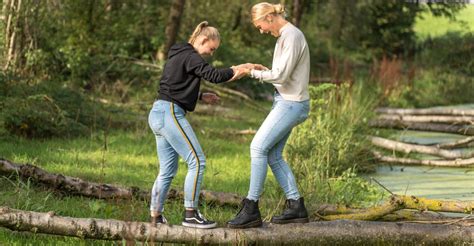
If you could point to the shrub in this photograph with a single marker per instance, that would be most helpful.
(38, 116)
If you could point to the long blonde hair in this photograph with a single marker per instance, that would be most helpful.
(203, 29)
(260, 10)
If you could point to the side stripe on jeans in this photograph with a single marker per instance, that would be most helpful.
(192, 149)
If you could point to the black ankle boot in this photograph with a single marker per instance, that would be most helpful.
(248, 216)
(295, 212)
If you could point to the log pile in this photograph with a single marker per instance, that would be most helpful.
(457, 121)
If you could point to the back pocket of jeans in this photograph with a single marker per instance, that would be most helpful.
(156, 120)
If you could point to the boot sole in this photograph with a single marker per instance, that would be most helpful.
(299, 220)
(256, 223)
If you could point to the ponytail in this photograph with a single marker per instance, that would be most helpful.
(203, 29)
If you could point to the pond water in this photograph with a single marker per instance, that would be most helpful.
(430, 182)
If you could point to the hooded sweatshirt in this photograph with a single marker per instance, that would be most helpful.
(182, 75)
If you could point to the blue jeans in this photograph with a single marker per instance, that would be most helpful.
(175, 137)
(267, 147)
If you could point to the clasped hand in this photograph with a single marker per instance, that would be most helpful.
(244, 70)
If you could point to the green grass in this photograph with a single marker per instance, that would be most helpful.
(428, 25)
(129, 159)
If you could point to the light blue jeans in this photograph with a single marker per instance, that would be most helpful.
(267, 147)
(175, 137)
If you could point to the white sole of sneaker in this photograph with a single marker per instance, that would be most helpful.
(192, 225)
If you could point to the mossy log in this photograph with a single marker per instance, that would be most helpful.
(342, 232)
(395, 203)
(77, 186)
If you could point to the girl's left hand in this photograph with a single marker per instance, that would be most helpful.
(210, 98)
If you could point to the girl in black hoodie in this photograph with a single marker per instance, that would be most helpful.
(178, 94)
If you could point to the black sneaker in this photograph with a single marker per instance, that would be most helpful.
(160, 219)
(193, 218)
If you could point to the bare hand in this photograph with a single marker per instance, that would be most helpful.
(210, 98)
(253, 66)
(259, 67)
(239, 72)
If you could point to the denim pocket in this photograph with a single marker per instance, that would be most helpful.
(304, 112)
(156, 120)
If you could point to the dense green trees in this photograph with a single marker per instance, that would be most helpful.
(99, 45)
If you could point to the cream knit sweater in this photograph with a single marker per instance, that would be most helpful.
(290, 66)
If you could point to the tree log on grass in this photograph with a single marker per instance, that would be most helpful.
(77, 186)
(437, 163)
(435, 127)
(408, 148)
(426, 111)
(325, 232)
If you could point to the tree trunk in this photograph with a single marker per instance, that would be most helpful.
(429, 118)
(327, 233)
(20, 35)
(297, 10)
(172, 28)
(436, 127)
(77, 186)
(426, 111)
(438, 163)
(408, 148)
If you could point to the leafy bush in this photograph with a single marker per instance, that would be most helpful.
(38, 116)
(49, 109)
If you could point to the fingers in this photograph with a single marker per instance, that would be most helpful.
(260, 67)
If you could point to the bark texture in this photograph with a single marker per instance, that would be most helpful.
(326, 232)
(77, 186)
(409, 148)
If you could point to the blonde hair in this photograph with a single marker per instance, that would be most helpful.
(260, 10)
(203, 29)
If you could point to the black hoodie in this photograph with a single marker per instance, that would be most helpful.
(182, 75)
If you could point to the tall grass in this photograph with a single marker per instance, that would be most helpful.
(329, 148)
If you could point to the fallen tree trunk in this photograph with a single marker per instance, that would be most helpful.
(426, 111)
(438, 163)
(328, 233)
(77, 186)
(429, 118)
(408, 148)
(395, 203)
(465, 142)
(435, 127)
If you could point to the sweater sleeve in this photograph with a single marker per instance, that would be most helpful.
(196, 65)
(284, 65)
